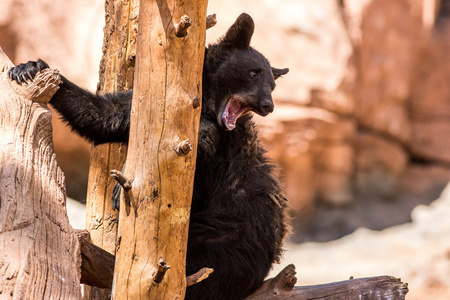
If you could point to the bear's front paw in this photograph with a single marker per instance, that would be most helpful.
(27, 71)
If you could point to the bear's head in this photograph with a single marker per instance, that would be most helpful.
(239, 78)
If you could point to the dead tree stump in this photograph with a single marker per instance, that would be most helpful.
(39, 251)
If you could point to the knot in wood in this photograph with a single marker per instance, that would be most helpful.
(131, 57)
(196, 102)
(183, 148)
(182, 26)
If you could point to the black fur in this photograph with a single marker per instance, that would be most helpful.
(238, 211)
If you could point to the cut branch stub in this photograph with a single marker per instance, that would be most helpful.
(125, 183)
(196, 102)
(211, 21)
(278, 287)
(182, 26)
(183, 148)
(161, 271)
(195, 278)
(122, 179)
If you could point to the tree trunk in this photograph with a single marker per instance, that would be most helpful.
(39, 251)
(116, 74)
(153, 227)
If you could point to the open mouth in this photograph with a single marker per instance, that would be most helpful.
(233, 110)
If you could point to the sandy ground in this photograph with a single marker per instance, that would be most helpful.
(417, 252)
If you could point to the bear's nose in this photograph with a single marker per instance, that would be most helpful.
(266, 107)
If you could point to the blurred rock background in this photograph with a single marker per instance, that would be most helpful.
(361, 129)
(68, 35)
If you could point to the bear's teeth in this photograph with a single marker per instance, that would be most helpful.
(233, 110)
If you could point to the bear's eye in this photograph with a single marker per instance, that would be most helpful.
(254, 73)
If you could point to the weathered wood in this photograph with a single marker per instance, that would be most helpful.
(167, 83)
(39, 251)
(98, 261)
(279, 287)
(116, 74)
(195, 278)
(372, 288)
(97, 265)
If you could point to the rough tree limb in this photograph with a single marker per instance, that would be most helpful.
(278, 287)
(381, 287)
(372, 288)
(39, 251)
(97, 265)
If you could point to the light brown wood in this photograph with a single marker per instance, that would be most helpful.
(116, 74)
(39, 251)
(168, 81)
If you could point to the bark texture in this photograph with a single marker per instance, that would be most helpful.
(39, 251)
(97, 265)
(154, 226)
(116, 74)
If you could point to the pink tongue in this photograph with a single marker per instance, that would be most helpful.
(231, 113)
(229, 120)
(234, 107)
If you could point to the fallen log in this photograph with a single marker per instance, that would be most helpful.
(376, 288)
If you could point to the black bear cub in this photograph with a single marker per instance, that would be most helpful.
(238, 218)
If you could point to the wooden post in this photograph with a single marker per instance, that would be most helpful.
(116, 74)
(39, 251)
(153, 227)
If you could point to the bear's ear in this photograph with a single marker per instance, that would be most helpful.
(240, 33)
(279, 72)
